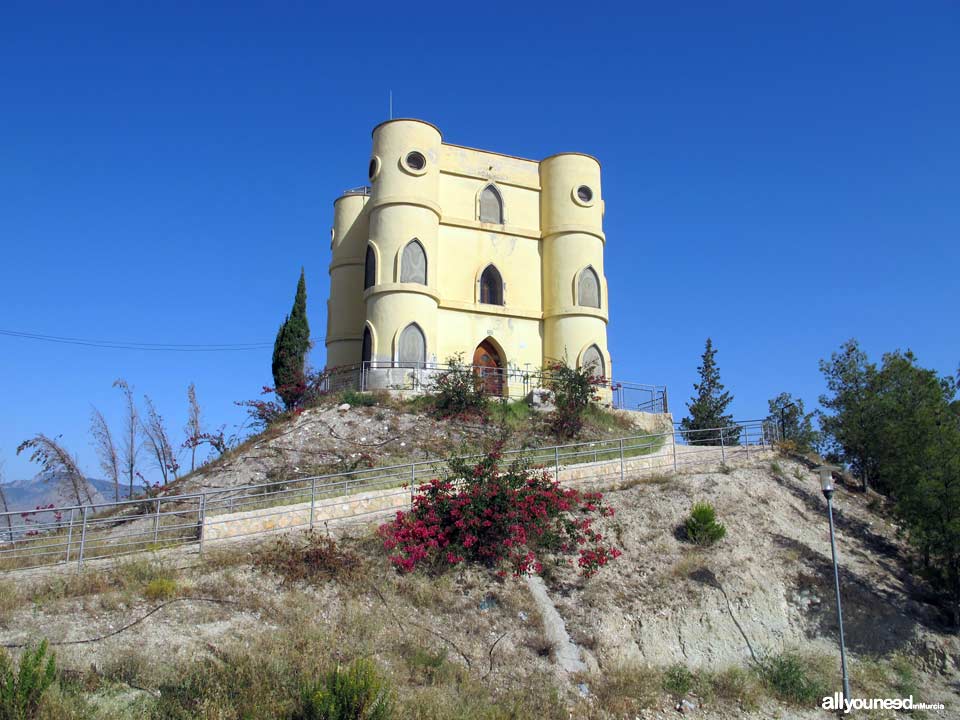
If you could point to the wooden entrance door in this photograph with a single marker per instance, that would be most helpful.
(489, 365)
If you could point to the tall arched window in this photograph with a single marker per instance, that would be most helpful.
(491, 286)
(593, 359)
(366, 347)
(588, 288)
(412, 350)
(413, 263)
(370, 269)
(491, 205)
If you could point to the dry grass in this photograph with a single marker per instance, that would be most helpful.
(10, 600)
(310, 557)
(646, 480)
(734, 685)
(626, 690)
(688, 563)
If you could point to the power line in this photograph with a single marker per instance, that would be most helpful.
(124, 345)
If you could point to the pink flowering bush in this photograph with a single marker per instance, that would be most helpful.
(503, 518)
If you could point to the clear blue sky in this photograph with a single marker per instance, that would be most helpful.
(779, 180)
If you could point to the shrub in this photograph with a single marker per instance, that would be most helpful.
(574, 391)
(677, 680)
(311, 556)
(21, 689)
(261, 414)
(427, 666)
(791, 679)
(458, 391)
(497, 516)
(702, 527)
(737, 684)
(160, 589)
(356, 693)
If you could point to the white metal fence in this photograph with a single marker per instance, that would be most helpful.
(510, 383)
(71, 536)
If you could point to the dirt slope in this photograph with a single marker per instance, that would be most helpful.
(335, 437)
(767, 585)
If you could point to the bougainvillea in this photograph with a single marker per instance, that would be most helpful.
(574, 391)
(507, 518)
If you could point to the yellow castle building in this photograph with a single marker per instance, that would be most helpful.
(458, 250)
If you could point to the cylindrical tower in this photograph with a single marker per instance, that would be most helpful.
(345, 311)
(575, 310)
(403, 208)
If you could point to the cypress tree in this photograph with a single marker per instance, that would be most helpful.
(290, 350)
(708, 406)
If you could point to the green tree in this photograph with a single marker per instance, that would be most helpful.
(850, 428)
(916, 424)
(290, 350)
(708, 406)
(788, 414)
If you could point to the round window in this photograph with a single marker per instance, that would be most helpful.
(374, 168)
(585, 194)
(416, 161)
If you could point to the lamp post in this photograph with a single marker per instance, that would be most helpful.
(826, 486)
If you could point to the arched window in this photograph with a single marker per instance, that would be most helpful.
(412, 350)
(593, 359)
(491, 286)
(413, 263)
(366, 348)
(491, 205)
(588, 288)
(370, 269)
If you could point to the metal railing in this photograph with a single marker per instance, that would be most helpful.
(71, 536)
(510, 383)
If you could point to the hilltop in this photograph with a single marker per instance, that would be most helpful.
(351, 431)
(667, 619)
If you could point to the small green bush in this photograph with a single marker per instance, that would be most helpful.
(574, 391)
(21, 689)
(458, 391)
(427, 666)
(702, 526)
(677, 680)
(355, 693)
(160, 589)
(791, 679)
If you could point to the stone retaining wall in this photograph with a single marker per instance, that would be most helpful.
(385, 502)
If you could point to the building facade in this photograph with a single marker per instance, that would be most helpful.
(458, 250)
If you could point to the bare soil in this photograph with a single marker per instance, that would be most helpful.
(764, 589)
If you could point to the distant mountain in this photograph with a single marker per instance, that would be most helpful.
(48, 490)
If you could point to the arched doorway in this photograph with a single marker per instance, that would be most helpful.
(488, 363)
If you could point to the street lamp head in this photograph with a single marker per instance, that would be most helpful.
(826, 480)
